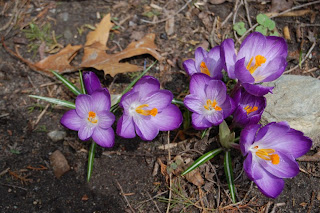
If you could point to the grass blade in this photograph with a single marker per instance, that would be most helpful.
(229, 174)
(66, 82)
(204, 158)
(92, 151)
(178, 102)
(55, 101)
(83, 89)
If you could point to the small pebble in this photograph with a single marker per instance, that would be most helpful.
(57, 135)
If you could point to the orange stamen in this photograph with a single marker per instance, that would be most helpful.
(259, 60)
(204, 69)
(268, 154)
(250, 109)
(212, 105)
(141, 111)
(91, 117)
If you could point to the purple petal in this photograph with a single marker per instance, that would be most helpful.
(168, 119)
(101, 101)
(145, 129)
(247, 137)
(146, 85)
(85, 131)
(158, 99)
(270, 185)
(274, 69)
(240, 117)
(270, 132)
(91, 82)
(215, 63)
(127, 99)
(228, 56)
(103, 137)
(199, 122)
(215, 118)
(189, 66)
(254, 44)
(286, 168)
(194, 103)
(242, 73)
(71, 120)
(125, 127)
(216, 90)
(228, 107)
(275, 47)
(106, 119)
(198, 84)
(199, 55)
(83, 105)
(257, 89)
(252, 168)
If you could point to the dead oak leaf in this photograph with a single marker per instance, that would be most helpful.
(96, 57)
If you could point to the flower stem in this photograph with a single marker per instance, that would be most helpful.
(174, 101)
(91, 159)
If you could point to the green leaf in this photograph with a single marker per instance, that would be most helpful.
(261, 29)
(275, 33)
(178, 102)
(226, 138)
(229, 174)
(186, 119)
(55, 101)
(239, 27)
(83, 89)
(270, 24)
(204, 158)
(91, 160)
(66, 82)
(204, 133)
(262, 18)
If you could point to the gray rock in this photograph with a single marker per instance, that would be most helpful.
(295, 99)
(57, 135)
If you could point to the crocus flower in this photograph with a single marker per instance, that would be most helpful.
(249, 108)
(271, 152)
(208, 100)
(91, 82)
(260, 59)
(147, 110)
(92, 118)
(209, 63)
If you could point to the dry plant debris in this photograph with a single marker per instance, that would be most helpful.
(95, 55)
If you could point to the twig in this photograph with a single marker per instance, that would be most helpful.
(227, 19)
(170, 176)
(266, 210)
(277, 205)
(212, 34)
(311, 70)
(247, 12)
(169, 17)
(311, 202)
(125, 197)
(305, 58)
(236, 8)
(279, 14)
(157, 195)
(155, 203)
(41, 115)
(313, 158)
(13, 186)
(4, 171)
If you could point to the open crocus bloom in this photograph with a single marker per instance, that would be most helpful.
(92, 118)
(208, 100)
(209, 63)
(147, 110)
(271, 152)
(260, 59)
(249, 108)
(91, 82)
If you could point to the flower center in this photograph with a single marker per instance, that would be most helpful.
(212, 105)
(144, 112)
(259, 60)
(268, 154)
(92, 117)
(250, 109)
(204, 69)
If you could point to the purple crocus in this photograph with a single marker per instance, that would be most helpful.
(249, 108)
(91, 82)
(271, 152)
(92, 118)
(260, 59)
(147, 110)
(208, 100)
(209, 63)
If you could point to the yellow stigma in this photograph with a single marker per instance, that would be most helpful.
(141, 111)
(212, 105)
(204, 69)
(259, 60)
(92, 117)
(268, 154)
(250, 109)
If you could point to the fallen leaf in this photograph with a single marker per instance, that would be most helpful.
(195, 177)
(281, 5)
(169, 27)
(290, 14)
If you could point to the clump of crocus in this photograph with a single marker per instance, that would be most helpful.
(147, 110)
(209, 63)
(208, 100)
(249, 108)
(260, 59)
(92, 117)
(271, 152)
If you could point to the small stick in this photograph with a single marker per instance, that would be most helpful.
(311, 202)
(277, 205)
(155, 203)
(157, 195)
(169, 17)
(313, 158)
(247, 12)
(305, 58)
(311, 70)
(212, 36)
(226, 20)
(125, 197)
(236, 8)
(170, 176)
(13, 186)
(41, 115)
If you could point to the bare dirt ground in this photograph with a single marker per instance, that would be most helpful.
(133, 175)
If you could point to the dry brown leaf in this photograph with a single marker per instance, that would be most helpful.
(59, 62)
(195, 177)
(291, 14)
